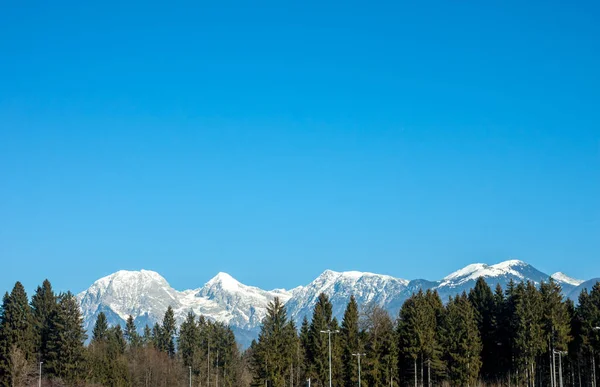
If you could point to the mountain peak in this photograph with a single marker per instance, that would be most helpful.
(562, 277)
(225, 281)
(473, 271)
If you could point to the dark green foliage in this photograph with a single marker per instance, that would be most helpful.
(462, 346)
(66, 353)
(418, 336)
(379, 364)
(43, 303)
(131, 335)
(318, 345)
(274, 353)
(100, 331)
(349, 334)
(522, 327)
(167, 333)
(16, 331)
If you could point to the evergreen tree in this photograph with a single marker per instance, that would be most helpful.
(157, 337)
(17, 332)
(318, 348)
(349, 334)
(189, 335)
(556, 327)
(529, 340)
(482, 299)
(379, 365)
(131, 334)
(168, 332)
(65, 357)
(43, 303)
(274, 351)
(463, 343)
(100, 331)
(147, 336)
(116, 340)
(418, 334)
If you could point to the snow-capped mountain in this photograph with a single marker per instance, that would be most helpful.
(366, 288)
(561, 277)
(146, 295)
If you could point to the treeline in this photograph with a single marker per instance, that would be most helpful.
(46, 337)
(524, 335)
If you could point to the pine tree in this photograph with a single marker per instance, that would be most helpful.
(65, 357)
(318, 348)
(529, 340)
(482, 299)
(131, 334)
(188, 340)
(43, 303)
(379, 365)
(147, 336)
(555, 325)
(168, 332)
(349, 335)
(274, 351)
(100, 331)
(16, 325)
(463, 343)
(418, 334)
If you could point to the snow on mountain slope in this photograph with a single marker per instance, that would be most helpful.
(146, 295)
(561, 277)
(503, 271)
(366, 288)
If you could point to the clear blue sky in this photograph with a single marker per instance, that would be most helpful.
(274, 140)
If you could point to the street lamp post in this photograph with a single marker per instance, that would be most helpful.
(329, 332)
(40, 379)
(358, 355)
(190, 367)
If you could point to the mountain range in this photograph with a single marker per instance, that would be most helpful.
(146, 294)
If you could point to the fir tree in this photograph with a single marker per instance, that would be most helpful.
(318, 348)
(463, 343)
(482, 299)
(43, 303)
(16, 327)
(147, 336)
(131, 334)
(65, 357)
(168, 332)
(274, 351)
(100, 331)
(189, 335)
(349, 335)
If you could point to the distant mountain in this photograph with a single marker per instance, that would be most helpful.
(587, 285)
(146, 295)
(366, 288)
(561, 277)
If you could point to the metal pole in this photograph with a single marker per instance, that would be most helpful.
(329, 332)
(190, 375)
(358, 355)
(329, 335)
(40, 381)
(560, 369)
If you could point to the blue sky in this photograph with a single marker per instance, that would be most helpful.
(274, 140)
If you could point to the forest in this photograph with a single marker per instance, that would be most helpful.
(524, 335)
